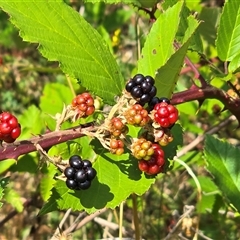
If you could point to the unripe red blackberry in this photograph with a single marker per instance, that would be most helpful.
(165, 114)
(84, 104)
(10, 129)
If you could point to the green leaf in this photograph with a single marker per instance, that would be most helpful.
(116, 179)
(3, 184)
(209, 193)
(208, 26)
(135, 2)
(171, 149)
(52, 101)
(196, 42)
(31, 117)
(228, 37)
(12, 197)
(21, 166)
(234, 64)
(223, 163)
(159, 43)
(167, 75)
(65, 36)
(47, 182)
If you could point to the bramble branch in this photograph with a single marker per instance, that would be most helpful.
(47, 140)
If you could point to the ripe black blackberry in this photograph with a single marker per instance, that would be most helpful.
(141, 88)
(79, 174)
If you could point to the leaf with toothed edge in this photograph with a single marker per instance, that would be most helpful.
(64, 36)
(117, 178)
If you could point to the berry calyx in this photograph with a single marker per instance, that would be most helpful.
(165, 114)
(10, 129)
(83, 104)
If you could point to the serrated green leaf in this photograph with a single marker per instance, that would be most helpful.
(12, 197)
(52, 101)
(117, 177)
(31, 117)
(47, 182)
(223, 163)
(66, 37)
(234, 64)
(184, 25)
(167, 75)
(159, 43)
(228, 37)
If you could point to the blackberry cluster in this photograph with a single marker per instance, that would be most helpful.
(84, 104)
(155, 164)
(10, 129)
(79, 174)
(141, 88)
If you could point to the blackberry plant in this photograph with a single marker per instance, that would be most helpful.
(135, 138)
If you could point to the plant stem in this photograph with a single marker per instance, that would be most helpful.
(120, 220)
(135, 218)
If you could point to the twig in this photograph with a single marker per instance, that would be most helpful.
(59, 228)
(13, 213)
(46, 141)
(120, 220)
(87, 219)
(135, 218)
(200, 138)
(185, 214)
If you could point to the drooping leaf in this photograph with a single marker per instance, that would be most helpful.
(159, 43)
(228, 36)
(117, 177)
(167, 75)
(65, 36)
(223, 163)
